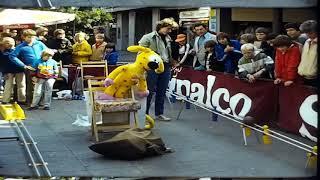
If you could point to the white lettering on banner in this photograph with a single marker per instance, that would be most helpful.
(309, 116)
(196, 92)
(186, 84)
(210, 82)
(234, 100)
(216, 99)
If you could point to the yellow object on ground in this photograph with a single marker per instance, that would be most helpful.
(312, 158)
(149, 122)
(266, 138)
(12, 112)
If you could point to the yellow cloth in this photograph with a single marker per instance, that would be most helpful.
(308, 65)
(81, 52)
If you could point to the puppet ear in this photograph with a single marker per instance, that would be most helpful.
(138, 49)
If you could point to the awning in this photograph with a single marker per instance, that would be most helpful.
(34, 17)
(164, 3)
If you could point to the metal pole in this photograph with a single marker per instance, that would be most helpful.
(244, 136)
(27, 148)
(37, 150)
(233, 119)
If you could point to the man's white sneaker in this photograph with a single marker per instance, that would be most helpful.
(163, 118)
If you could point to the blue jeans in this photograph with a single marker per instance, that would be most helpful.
(157, 84)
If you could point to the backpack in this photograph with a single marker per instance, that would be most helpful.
(131, 144)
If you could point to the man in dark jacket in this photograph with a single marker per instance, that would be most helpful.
(62, 47)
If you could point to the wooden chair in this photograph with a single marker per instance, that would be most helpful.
(93, 64)
(111, 111)
(60, 78)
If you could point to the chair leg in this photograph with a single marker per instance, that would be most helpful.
(95, 128)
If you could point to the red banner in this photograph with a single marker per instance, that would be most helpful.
(292, 108)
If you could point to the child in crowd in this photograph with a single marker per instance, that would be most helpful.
(286, 61)
(261, 35)
(254, 64)
(46, 72)
(228, 51)
(211, 62)
(184, 57)
(247, 38)
(11, 72)
(111, 55)
(81, 50)
(98, 48)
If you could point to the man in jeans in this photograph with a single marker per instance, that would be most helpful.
(27, 55)
(159, 41)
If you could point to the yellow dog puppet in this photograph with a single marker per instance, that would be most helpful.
(120, 80)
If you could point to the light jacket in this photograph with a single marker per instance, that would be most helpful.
(155, 43)
(81, 52)
(199, 48)
(47, 69)
(309, 60)
(98, 52)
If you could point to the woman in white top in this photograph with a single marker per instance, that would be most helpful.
(184, 49)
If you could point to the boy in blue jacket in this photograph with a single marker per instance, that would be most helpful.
(111, 55)
(26, 55)
(228, 52)
(11, 72)
(46, 73)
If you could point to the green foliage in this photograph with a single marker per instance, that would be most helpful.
(86, 18)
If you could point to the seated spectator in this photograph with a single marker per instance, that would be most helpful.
(184, 58)
(247, 38)
(81, 50)
(254, 64)
(309, 59)
(294, 33)
(287, 60)
(62, 47)
(111, 55)
(11, 72)
(98, 48)
(46, 72)
(228, 51)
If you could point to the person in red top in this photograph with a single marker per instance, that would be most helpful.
(286, 61)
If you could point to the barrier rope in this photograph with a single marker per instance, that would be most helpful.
(235, 119)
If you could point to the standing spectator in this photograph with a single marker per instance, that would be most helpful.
(254, 64)
(62, 47)
(228, 51)
(81, 50)
(111, 55)
(12, 72)
(98, 48)
(27, 55)
(309, 59)
(47, 71)
(287, 60)
(184, 58)
(261, 35)
(247, 38)
(159, 41)
(211, 62)
(42, 34)
(294, 33)
(14, 33)
(198, 48)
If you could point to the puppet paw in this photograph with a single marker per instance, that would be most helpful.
(108, 82)
(143, 94)
(103, 96)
